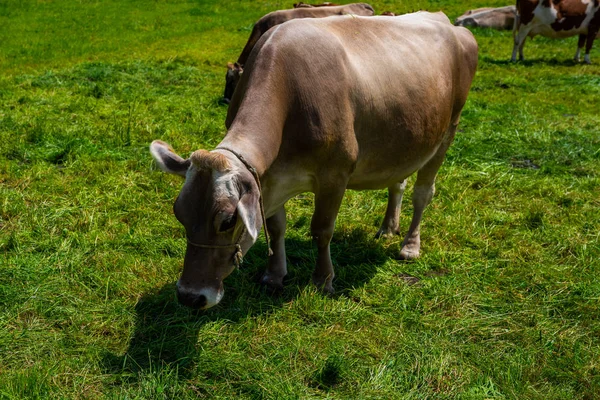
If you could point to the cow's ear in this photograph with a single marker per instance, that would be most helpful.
(167, 159)
(247, 214)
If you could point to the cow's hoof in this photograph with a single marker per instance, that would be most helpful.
(324, 285)
(406, 253)
(327, 289)
(271, 284)
(386, 233)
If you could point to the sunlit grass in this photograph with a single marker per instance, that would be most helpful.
(502, 304)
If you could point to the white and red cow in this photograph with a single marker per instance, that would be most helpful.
(557, 19)
(324, 105)
(235, 70)
(495, 18)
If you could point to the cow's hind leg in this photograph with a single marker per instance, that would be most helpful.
(390, 224)
(580, 44)
(328, 199)
(591, 36)
(277, 265)
(422, 194)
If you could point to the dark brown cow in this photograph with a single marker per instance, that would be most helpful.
(495, 18)
(279, 17)
(557, 19)
(324, 105)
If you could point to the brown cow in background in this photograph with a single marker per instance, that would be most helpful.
(279, 17)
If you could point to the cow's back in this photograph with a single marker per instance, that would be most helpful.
(365, 87)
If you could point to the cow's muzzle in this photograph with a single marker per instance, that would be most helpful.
(199, 299)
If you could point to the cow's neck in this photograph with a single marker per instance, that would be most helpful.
(259, 147)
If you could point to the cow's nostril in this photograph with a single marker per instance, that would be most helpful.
(191, 300)
(200, 301)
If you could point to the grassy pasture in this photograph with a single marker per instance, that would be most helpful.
(503, 304)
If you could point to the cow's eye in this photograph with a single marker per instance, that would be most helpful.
(228, 223)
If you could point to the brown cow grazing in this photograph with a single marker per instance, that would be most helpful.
(279, 17)
(323, 105)
(557, 19)
(495, 18)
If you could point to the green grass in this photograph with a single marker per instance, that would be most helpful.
(503, 304)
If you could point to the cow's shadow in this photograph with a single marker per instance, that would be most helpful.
(165, 333)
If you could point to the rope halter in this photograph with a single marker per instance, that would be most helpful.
(238, 255)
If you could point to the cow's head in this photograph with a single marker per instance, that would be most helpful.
(234, 73)
(218, 206)
(466, 21)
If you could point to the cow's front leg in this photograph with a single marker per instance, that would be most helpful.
(327, 205)
(391, 222)
(276, 265)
